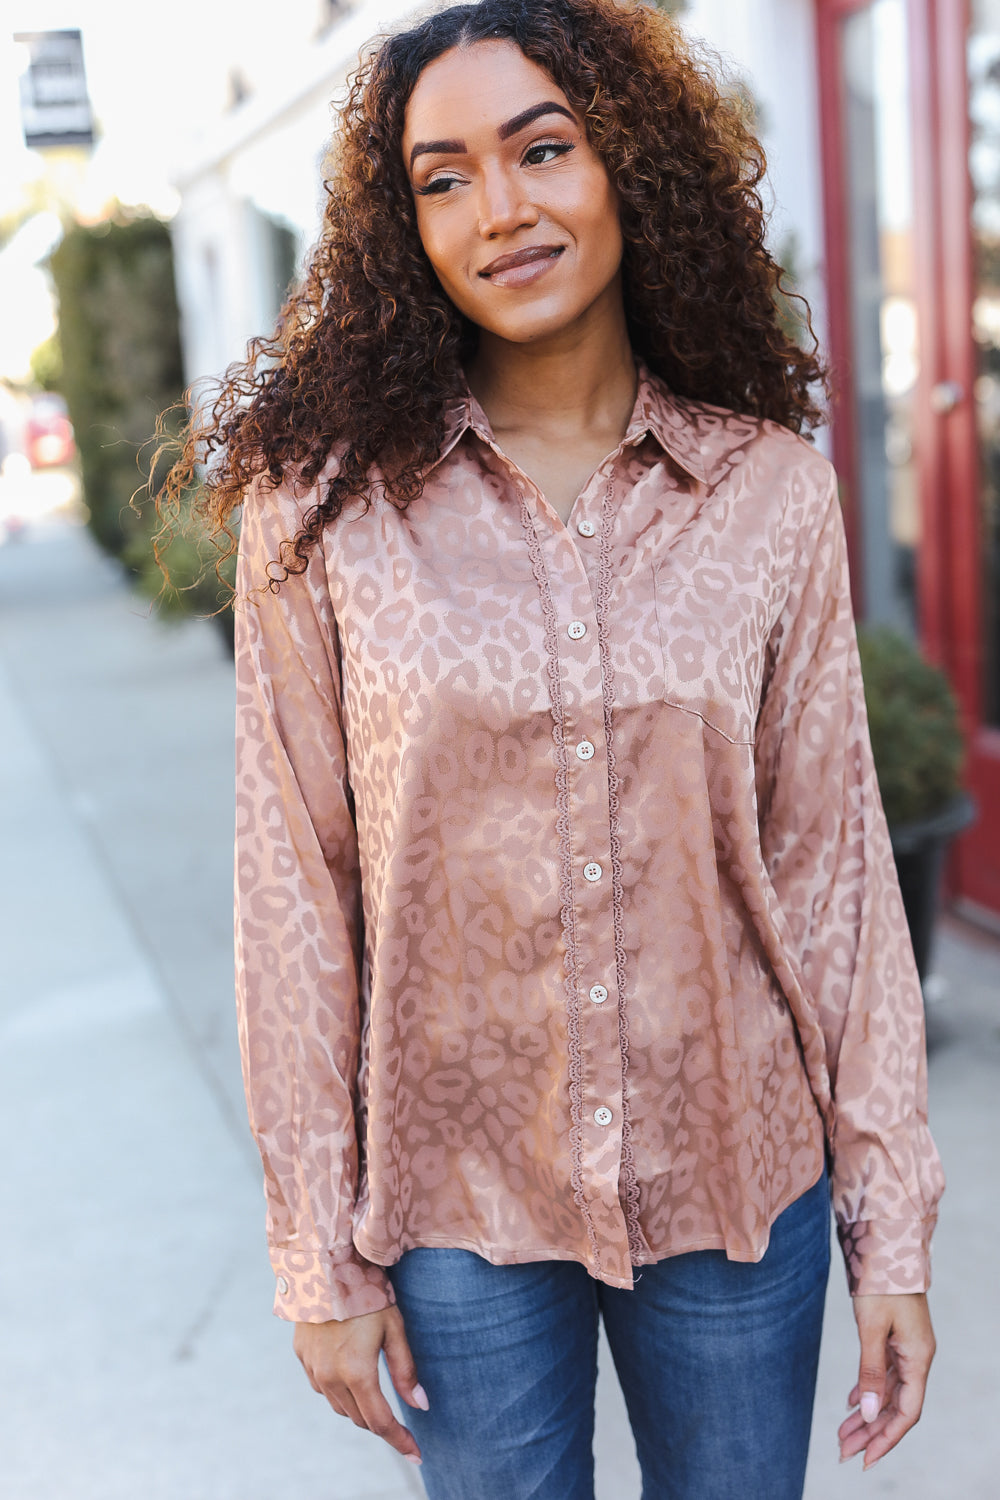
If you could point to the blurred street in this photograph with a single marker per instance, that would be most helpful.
(140, 1360)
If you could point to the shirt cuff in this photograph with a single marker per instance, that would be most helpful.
(317, 1288)
(887, 1256)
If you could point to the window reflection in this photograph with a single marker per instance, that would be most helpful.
(885, 340)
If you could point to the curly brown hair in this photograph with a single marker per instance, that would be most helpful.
(369, 351)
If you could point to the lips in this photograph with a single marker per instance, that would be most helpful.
(517, 258)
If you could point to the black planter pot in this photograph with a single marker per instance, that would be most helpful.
(919, 850)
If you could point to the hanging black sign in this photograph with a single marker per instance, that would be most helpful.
(55, 109)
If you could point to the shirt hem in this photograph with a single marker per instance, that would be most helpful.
(525, 1255)
(496, 1257)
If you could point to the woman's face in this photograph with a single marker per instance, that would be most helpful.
(515, 208)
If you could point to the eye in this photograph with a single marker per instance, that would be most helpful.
(437, 185)
(546, 151)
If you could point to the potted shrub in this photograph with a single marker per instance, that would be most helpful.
(919, 753)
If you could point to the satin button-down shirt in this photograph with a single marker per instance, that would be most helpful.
(567, 921)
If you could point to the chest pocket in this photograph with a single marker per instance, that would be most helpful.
(713, 635)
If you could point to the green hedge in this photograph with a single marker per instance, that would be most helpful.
(121, 357)
(119, 341)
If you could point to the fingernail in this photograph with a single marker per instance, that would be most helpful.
(870, 1406)
(872, 1464)
(412, 1458)
(420, 1397)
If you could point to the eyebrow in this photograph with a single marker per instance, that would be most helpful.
(505, 131)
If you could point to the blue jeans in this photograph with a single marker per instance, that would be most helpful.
(716, 1358)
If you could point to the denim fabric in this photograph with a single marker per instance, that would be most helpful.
(717, 1361)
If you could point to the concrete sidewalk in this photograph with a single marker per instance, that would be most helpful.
(139, 1357)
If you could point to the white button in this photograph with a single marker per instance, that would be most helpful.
(586, 528)
(576, 630)
(592, 871)
(603, 1116)
(584, 750)
(598, 994)
(282, 1285)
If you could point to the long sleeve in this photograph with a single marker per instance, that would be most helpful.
(299, 925)
(827, 851)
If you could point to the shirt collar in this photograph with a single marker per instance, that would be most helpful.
(672, 421)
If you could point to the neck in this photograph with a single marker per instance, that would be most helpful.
(582, 380)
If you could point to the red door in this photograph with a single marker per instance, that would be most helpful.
(910, 95)
(968, 53)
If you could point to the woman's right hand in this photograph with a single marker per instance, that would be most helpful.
(341, 1360)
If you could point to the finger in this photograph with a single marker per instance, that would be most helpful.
(345, 1405)
(854, 1423)
(402, 1366)
(861, 1437)
(904, 1413)
(378, 1417)
(873, 1330)
(340, 1407)
(885, 1439)
(339, 1393)
(855, 1434)
(854, 1399)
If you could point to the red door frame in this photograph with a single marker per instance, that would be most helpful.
(977, 855)
(946, 444)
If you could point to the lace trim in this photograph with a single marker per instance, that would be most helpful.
(637, 1248)
(566, 909)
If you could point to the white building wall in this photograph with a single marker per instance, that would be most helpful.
(224, 288)
(771, 46)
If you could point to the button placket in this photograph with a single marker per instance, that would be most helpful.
(597, 1046)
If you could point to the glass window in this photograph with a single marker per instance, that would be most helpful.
(886, 354)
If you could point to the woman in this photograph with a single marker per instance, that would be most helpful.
(569, 940)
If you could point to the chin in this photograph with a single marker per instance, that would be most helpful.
(530, 325)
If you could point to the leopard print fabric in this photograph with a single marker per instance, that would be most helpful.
(567, 922)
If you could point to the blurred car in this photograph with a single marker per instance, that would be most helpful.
(48, 433)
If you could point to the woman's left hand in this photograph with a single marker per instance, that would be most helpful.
(897, 1346)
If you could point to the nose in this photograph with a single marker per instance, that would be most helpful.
(503, 204)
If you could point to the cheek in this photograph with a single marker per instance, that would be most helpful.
(607, 249)
(611, 224)
(602, 217)
(440, 246)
